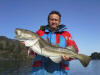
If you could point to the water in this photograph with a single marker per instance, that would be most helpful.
(10, 67)
(24, 69)
(92, 69)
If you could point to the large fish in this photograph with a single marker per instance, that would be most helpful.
(44, 48)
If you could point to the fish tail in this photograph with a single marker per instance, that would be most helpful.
(84, 59)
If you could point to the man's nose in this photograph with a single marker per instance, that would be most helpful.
(54, 21)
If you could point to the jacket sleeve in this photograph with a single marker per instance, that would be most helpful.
(40, 32)
(69, 40)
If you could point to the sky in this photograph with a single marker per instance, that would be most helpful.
(81, 17)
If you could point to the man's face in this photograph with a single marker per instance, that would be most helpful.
(54, 20)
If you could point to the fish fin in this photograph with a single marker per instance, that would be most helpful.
(40, 44)
(57, 59)
(29, 50)
(84, 59)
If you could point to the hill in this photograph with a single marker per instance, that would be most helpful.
(12, 49)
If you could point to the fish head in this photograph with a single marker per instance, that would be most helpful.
(22, 34)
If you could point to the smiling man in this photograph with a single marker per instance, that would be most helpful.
(56, 34)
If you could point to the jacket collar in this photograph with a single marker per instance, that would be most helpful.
(60, 28)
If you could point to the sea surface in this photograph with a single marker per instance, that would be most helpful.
(25, 69)
(77, 69)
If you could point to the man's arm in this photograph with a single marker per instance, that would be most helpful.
(70, 42)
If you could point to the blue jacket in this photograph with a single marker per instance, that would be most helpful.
(45, 65)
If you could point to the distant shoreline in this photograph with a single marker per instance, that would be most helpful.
(95, 56)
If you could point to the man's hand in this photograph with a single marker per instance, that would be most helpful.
(65, 57)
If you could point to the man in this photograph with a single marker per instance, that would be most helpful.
(54, 32)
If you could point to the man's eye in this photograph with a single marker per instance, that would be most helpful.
(56, 20)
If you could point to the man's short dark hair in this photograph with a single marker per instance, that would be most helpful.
(54, 12)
